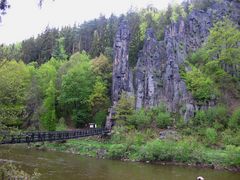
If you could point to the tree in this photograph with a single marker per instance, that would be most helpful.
(102, 67)
(124, 108)
(59, 51)
(46, 76)
(14, 83)
(223, 45)
(201, 86)
(99, 102)
(76, 88)
(48, 115)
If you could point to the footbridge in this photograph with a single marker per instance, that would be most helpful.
(40, 136)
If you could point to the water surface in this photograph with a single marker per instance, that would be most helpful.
(64, 166)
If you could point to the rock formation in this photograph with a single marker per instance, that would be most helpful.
(157, 73)
(122, 76)
(157, 77)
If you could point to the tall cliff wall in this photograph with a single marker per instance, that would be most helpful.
(122, 75)
(157, 76)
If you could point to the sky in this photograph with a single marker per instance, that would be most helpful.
(25, 19)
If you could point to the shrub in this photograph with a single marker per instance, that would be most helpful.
(201, 86)
(211, 135)
(119, 134)
(161, 116)
(200, 118)
(182, 151)
(231, 138)
(157, 150)
(217, 114)
(233, 155)
(234, 122)
(61, 126)
(124, 108)
(213, 117)
(163, 120)
(140, 119)
(117, 151)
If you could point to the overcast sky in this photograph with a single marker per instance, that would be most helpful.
(25, 19)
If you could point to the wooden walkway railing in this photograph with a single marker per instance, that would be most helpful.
(31, 137)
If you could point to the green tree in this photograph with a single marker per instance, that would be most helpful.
(223, 46)
(102, 67)
(14, 83)
(201, 86)
(76, 88)
(59, 51)
(99, 102)
(124, 108)
(48, 115)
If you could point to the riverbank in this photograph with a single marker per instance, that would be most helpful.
(185, 152)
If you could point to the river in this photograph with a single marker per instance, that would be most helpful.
(64, 166)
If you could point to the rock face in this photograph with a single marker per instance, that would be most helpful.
(122, 79)
(122, 76)
(157, 73)
(157, 77)
(150, 66)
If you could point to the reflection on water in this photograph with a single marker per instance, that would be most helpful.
(63, 166)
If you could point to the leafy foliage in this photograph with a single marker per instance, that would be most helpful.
(77, 86)
(14, 83)
(124, 108)
(99, 102)
(234, 122)
(140, 119)
(48, 116)
(201, 86)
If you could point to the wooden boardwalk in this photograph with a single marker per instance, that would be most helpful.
(31, 137)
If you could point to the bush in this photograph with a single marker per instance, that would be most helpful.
(119, 134)
(200, 118)
(61, 126)
(231, 138)
(161, 116)
(140, 119)
(234, 122)
(201, 86)
(163, 120)
(182, 151)
(124, 108)
(157, 150)
(213, 117)
(117, 151)
(211, 135)
(233, 155)
(217, 114)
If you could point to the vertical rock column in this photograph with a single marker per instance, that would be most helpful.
(122, 75)
(149, 71)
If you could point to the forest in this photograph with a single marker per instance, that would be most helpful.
(62, 79)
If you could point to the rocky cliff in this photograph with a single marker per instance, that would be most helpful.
(122, 75)
(122, 79)
(157, 76)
